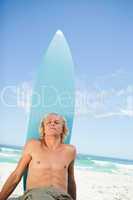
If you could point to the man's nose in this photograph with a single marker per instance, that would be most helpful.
(52, 123)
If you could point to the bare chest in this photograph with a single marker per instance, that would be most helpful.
(50, 160)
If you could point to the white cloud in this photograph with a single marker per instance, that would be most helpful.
(104, 103)
(24, 93)
(127, 112)
(117, 74)
(103, 96)
(107, 115)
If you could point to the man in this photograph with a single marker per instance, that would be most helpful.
(50, 165)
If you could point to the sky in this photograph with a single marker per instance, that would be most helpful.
(99, 34)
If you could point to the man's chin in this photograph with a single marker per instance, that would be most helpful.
(52, 135)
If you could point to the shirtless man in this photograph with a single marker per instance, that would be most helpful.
(50, 165)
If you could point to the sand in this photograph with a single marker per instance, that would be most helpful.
(90, 185)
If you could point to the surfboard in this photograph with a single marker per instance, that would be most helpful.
(54, 89)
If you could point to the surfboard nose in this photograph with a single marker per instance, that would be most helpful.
(59, 32)
(54, 89)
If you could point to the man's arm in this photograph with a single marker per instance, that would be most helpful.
(71, 179)
(16, 175)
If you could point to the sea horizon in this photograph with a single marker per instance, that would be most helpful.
(81, 155)
(11, 154)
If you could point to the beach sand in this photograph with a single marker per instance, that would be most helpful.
(103, 186)
(90, 185)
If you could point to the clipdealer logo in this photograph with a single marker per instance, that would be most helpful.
(13, 96)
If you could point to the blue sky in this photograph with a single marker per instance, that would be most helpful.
(99, 34)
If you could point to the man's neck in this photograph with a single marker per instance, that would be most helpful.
(52, 143)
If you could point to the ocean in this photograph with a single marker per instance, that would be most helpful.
(83, 162)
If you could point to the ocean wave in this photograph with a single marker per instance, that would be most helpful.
(83, 162)
(10, 150)
(104, 166)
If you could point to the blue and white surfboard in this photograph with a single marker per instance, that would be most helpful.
(54, 89)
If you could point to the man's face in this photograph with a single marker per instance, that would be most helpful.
(53, 125)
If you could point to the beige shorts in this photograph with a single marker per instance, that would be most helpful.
(45, 193)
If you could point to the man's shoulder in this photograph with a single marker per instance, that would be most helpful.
(71, 148)
(31, 142)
